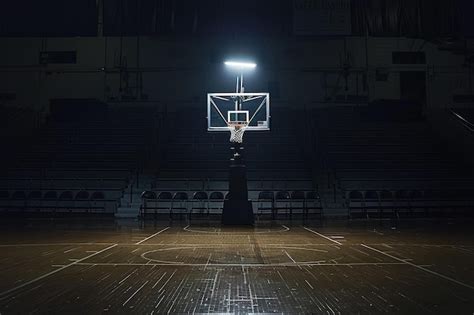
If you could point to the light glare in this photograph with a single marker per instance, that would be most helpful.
(239, 64)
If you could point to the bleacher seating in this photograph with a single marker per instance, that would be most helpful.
(392, 168)
(197, 162)
(80, 166)
(268, 204)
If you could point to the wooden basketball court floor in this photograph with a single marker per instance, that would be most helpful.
(66, 267)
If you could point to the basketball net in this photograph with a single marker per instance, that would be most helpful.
(237, 132)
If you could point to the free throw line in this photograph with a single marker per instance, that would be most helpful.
(146, 239)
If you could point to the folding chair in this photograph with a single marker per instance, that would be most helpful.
(402, 203)
(148, 202)
(216, 202)
(180, 203)
(66, 201)
(98, 202)
(356, 203)
(371, 203)
(265, 203)
(82, 202)
(200, 202)
(18, 201)
(313, 202)
(298, 203)
(33, 202)
(282, 202)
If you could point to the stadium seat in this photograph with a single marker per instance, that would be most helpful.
(199, 203)
(50, 201)
(371, 203)
(98, 202)
(165, 195)
(402, 203)
(283, 203)
(356, 203)
(65, 201)
(66, 195)
(162, 204)
(18, 201)
(216, 202)
(386, 203)
(98, 195)
(82, 202)
(148, 202)
(298, 204)
(313, 204)
(265, 204)
(34, 202)
(180, 203)
(148, 195)
(82, 195)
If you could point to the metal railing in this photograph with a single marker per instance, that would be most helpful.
(467, 124)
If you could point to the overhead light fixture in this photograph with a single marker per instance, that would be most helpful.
(240, 64)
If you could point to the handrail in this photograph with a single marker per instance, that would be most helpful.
(464, 121)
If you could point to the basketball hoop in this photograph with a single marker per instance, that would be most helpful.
(237, 129)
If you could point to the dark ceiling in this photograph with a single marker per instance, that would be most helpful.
(411, 18)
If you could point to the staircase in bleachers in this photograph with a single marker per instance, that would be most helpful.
(197, 160)
(81, 165)
(392, 168)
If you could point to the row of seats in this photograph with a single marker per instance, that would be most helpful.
(275, 162)
(212, 184)
(60, 183)
(202, 195)
(393, 168)
(201, 202)
(372, 203)
(56, 201)
(82, 165)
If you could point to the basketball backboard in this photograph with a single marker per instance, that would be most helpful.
(252, 109)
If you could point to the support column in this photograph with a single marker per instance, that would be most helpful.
(238, 208)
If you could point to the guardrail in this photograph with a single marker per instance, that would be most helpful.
(468, 125)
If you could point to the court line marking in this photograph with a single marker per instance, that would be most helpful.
(309, 263)
(146, 239)
(202, 246)
(283, 248)
(291, 258)
(321, 235)
(50, 244)
(237, 233)
(2, 294)
(420, 267)
(227, 244)
(69, 250)
(310, 244)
